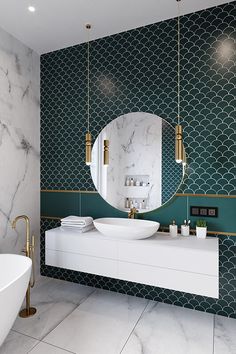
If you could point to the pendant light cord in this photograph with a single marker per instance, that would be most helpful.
(178, 65)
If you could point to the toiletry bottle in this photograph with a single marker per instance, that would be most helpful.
(173, 229)
(131, 204)
(131, 181)
(143, 204)
(137, 183)
(144, 184)
(127, 204)
(185, 228)
(127, 182)
(140, 205)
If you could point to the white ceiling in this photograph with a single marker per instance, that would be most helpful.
(58, 24)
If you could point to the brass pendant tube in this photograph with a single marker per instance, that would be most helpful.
(178, 143)
(106, 152)
(88, 149)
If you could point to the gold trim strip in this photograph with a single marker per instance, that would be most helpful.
(205, 195)
(192, 231)
(67, 191)
(177, 194)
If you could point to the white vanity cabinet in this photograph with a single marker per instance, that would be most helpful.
(184, 263)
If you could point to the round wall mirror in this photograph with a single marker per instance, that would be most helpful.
(141, 170)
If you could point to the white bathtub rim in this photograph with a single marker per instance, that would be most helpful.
(28, 264)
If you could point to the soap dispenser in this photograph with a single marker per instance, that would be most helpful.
(173, 229)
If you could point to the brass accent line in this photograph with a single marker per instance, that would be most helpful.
(161, 228)
(176, 195)
(205, 195)
(67, 191)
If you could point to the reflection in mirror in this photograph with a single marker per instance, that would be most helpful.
(142, 171)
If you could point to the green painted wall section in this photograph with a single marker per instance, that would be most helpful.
(63, 204)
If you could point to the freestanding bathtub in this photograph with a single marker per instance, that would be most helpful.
(15, 273)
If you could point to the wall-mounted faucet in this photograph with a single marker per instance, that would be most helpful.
(29, 251)
(133, 211)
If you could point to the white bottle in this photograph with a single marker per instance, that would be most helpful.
(127, 203)
(137, 183)
(131, 204)
(173, 229)
(140, 205)
(127, 182)
(143, 204)
(131, 181)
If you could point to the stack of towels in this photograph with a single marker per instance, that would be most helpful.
(78, 223)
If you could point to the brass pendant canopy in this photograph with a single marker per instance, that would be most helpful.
(106, 152)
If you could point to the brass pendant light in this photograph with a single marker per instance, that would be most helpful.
(178, 129)
(106, 152)
(88, 137)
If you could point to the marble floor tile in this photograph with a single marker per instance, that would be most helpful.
(225, 335)
(100, 325)
(167, 329)
(54, 300)
(17, 343)
(43, 348)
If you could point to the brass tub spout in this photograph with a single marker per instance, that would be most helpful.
(29, 252)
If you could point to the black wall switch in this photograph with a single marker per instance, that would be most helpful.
(205, 212)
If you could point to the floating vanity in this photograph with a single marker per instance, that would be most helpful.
(184, 263)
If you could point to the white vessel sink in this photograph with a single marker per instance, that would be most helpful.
(132, 229)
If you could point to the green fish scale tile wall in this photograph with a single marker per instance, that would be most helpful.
(136, 71)
(225, 306)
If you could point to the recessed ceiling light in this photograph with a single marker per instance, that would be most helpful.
(31, 8)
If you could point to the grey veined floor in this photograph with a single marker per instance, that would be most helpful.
(72, 318)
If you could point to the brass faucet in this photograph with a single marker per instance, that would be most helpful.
(29, 252)
(133, 211)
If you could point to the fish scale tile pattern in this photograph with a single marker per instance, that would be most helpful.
(136, 71)
(225, 305)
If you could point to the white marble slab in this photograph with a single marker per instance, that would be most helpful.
(100, 325)
(43, 348)
(225, 335)
(17, 343)
(54, 300)
(19, 141)
(167, 329)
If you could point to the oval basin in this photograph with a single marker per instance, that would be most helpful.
(133, 229)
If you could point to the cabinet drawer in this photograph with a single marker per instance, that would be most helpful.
(82, 263)
(188, 260)
(80, 243)
(170, 279)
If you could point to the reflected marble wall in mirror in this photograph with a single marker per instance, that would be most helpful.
(142, 170)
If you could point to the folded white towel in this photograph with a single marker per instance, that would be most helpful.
(77, 220)
(78, 229)
(72, 224)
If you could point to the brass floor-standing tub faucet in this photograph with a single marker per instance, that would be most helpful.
(29, 252)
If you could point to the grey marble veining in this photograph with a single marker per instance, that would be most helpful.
(168, 329)
(19, 140)
(225, 335)
(54, 300)
(83, 321)
(135, 148)
(17, 343)
(100, 325)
